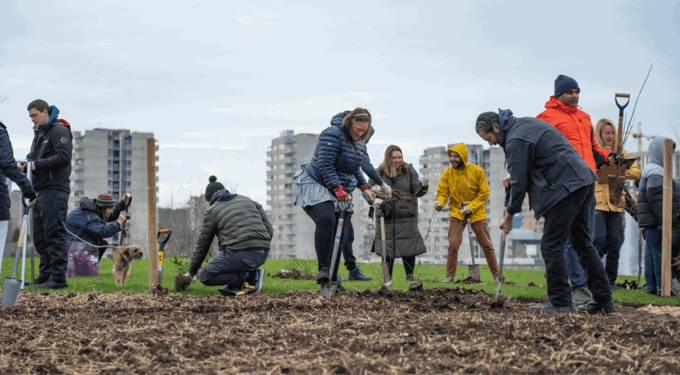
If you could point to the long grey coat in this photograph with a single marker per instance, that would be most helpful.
(403, 223)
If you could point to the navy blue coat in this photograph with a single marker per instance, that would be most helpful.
(85, 222)
(338, 159)
(51, 153)
(541, 162)
(8, 168)
(650, 193)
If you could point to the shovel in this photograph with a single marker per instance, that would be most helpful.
(616, 183)
(474, 268)
(383, 257)
(12, 286)
(501, 278)
(329, 288)
(640, 235)
(161, 247)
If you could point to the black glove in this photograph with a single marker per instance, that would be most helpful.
(29, 193)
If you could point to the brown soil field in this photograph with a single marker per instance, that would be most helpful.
(434, 331)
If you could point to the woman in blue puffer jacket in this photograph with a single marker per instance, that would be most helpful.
(330, 177)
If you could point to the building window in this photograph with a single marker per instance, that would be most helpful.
(128, 140)
(128, 162)
(128, 183)
(111, 182)
(128, 152)
(128, 173)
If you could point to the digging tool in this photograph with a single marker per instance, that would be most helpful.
(501, 278)
(12, 286)
(474, 268)
(123, 231)
(161, 247)
(329, 288)
(616, 182)
(383, 256)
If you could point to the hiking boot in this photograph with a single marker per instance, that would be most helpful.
(51, 284)
(357, 275)
(549, 307)
(675, 287)
(593, 307)
(409, 277)
(41, 279)
(580, 296)
(614, 288)
(323, 277)
(449, 280)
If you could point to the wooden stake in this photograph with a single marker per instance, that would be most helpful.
(153, 224)
(666, 227)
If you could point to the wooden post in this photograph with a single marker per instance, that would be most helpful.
(666, 227)
(153, 224)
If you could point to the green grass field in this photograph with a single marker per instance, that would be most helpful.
(430, 276)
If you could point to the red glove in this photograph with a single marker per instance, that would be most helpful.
(363, 187)
(342, 196)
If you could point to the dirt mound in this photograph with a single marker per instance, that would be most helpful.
(468, 280)
(182, 283)
(628, 284)
(294, 274)
(443, 330)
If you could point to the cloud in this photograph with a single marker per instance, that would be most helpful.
(267, 15)
(315, 108)
(273, 23)
(244, 20)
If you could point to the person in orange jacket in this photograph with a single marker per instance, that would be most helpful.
(463, 182)
(562, 112)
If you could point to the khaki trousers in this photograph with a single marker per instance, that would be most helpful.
(481, 229)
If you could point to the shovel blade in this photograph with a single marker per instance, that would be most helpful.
(10, 291)
(328, 289)
(501, 279)
(474, 272)
(386, 274)
(616, 190)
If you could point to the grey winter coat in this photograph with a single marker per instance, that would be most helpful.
(650, 193)
(541, 162)
(403, 221)
(238, 222)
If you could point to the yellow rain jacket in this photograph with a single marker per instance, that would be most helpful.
(464, 185)
(602, 191)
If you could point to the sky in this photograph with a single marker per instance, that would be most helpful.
(215, 81)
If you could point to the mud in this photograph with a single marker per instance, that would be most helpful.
(182, 282)
(443, 330)
(294, 274)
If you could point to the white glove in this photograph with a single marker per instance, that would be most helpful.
(377, 189)
(193, 278)
(369, 193)
(438, 206)
(465, 210)
(377, 203)
(425, 181)
(387, 190)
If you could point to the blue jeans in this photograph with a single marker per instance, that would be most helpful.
(608, 238)
(231, 267)
(652, 260)
(576, 273)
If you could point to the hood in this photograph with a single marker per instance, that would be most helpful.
(3, 126)
(87, 204)
(337, 121)
(54, 113)
(656, 150)
(462, 150)
(222, 196)
(553, 103)
(503, 116)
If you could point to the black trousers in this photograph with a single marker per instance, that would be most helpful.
(570, 217)
(409, 264)
(325, 218)
(49, 233)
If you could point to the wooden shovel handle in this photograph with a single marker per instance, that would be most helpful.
(621, 95)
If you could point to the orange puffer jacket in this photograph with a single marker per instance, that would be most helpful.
(576, 127)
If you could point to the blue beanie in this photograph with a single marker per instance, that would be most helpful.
(563, 84)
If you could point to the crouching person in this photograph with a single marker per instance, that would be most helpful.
(244, 234)
(93, 220)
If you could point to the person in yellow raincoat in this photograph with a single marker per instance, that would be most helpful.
(463, 182)
(608, 229)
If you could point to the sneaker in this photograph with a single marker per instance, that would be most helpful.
(51, 284)
(409, 277)
(259, 280)
(613, 288)
(549, 307)
(323, 277)
(675, 287)
(449, 280)
(593, 307)
(580, 296)
(357, 275)
(339, 279)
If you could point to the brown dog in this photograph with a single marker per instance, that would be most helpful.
(122, 261)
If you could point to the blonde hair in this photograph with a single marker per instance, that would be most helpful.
(386, 165)
(598, 131)
(359, 115)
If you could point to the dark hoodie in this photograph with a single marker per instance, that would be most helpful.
(86, 223)
(51, 153)
(650, 196)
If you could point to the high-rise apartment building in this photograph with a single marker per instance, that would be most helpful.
(293, 229)
(113, 161)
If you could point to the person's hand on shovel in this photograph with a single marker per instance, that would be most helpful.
(465, 210)
(341, 194)
(121, 219)
(366, 191)
(506, 225)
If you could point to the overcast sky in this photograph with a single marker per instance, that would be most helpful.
(216, 81)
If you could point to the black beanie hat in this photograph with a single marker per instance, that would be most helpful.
(212, 187)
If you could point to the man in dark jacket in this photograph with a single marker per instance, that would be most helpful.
(50, 155)
(244, 234)
(560, 184)
(650, 217)
(8, 168)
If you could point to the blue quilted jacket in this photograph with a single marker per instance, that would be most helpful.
(338, 159)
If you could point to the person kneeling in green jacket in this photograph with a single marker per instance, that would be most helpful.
(244, 234)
